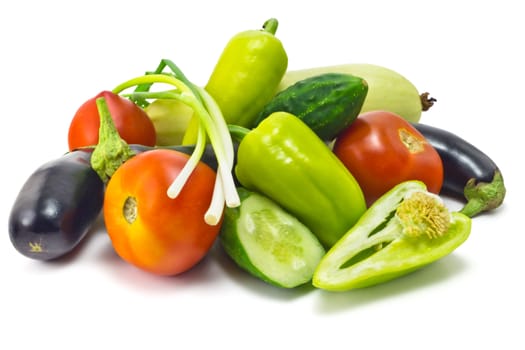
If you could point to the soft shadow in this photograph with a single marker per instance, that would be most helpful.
(203, 274)
(253, 284)
(446, 268)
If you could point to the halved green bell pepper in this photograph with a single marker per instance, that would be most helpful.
(404, 230)
(285, 160)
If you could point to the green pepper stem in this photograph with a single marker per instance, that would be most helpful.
(270, 26)
(238, 132)
(483, 196)
(111, 150)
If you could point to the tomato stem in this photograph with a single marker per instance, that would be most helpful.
(111, 150)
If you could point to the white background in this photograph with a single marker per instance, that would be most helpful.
(467, 54)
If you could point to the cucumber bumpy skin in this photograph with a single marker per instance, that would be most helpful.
(387, 89)
(327, 103)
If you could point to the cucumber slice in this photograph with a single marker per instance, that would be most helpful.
(268, 242)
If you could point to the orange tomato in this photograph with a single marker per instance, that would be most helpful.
(148, 229)
(381, 150)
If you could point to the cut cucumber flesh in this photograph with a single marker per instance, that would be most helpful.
(270, 243)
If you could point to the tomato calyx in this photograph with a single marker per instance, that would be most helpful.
(111, 151)
(413, 143)
(129, 209)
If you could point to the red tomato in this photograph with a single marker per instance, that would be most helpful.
(148, 229)
(131, 121)
(381, 150)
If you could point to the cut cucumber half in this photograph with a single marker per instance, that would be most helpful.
(268, 242)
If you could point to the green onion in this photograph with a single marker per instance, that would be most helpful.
(212, 126)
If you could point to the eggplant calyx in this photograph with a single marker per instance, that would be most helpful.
(483, 196)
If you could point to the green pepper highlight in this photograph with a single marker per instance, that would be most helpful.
(246, 76)
(285, 160)
(404, 230)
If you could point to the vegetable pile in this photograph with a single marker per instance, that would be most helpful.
(323, 176)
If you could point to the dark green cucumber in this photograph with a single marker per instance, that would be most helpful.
(327, 103)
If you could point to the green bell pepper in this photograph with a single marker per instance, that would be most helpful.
(285, 160)
(404, 230)
(247, 74)
(245, 77)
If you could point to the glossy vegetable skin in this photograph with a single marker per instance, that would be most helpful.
(131, 121)
(327, 103)
(208, 157)
(283, 159)
(387, 89)
(56, 207)
(469, 173)
(247, 73)
(381, 149)
(147, 228)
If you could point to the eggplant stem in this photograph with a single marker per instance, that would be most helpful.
(483, 196)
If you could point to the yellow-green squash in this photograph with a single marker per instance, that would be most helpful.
(387, 89)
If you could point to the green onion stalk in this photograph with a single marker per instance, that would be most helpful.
(212, 126)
